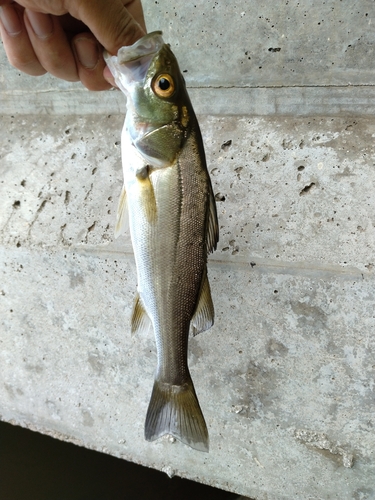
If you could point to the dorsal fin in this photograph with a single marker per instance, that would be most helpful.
(213, 225)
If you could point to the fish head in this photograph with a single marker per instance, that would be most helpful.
(158, 106)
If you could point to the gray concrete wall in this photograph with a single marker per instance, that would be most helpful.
(286, 375)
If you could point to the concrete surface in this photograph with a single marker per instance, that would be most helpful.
(286, 375)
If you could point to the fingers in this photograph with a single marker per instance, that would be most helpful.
(37, 42)
(90, 62)
(51, 45)
(16, 41)
(109, 77)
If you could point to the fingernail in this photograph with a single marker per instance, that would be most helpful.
(87, 52)
(41, 24)
(109, 77)
(10, 20)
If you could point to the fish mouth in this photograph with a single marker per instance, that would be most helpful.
(131, 64)
(148, 45)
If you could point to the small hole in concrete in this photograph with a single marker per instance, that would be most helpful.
(226, 145)
(307, 188)
(219, 197)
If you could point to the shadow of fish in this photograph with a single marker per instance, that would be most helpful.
(173, 225)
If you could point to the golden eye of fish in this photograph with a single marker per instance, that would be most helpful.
(163, 85)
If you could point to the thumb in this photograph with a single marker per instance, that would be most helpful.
(111, 22)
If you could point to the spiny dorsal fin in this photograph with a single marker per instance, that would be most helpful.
(122, 219)
(213, 225)
(140, 322)
(204, 314)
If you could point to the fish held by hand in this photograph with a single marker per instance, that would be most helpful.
(167, 198)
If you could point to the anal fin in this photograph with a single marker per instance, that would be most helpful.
(204, 314)
(140, 322)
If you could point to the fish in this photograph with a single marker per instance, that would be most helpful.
(167, 202)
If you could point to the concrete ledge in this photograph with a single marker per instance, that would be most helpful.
(284, 377)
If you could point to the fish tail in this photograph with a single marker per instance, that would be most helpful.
(175, 410)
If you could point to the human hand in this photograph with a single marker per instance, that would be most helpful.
(66, 37)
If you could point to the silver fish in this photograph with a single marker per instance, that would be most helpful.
(168, 198)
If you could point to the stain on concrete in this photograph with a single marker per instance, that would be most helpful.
(76, 278)
(53, 409)
(364, 494)
(10, 391)
(34, 368)
(276, 348)
(309, 315)
(95, 363)
(13, 391)
(88, 421)
(319, 441)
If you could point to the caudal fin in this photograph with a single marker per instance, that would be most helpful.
(175, 410)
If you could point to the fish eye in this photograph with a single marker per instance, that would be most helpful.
(163, 85)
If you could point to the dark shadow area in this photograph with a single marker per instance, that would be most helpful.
(38, 467)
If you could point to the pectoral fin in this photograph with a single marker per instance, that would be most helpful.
(122, 219)
(140, 322)
(146, 193)
(204, 314)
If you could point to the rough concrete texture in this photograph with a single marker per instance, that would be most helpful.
(286, 376)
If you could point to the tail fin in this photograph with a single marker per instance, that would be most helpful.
(174, 409)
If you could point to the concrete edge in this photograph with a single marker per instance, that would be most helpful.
(262, 101)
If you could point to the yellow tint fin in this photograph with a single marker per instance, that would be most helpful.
(122, 219)
(147, 194)
(140, 322)
(204, 314)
